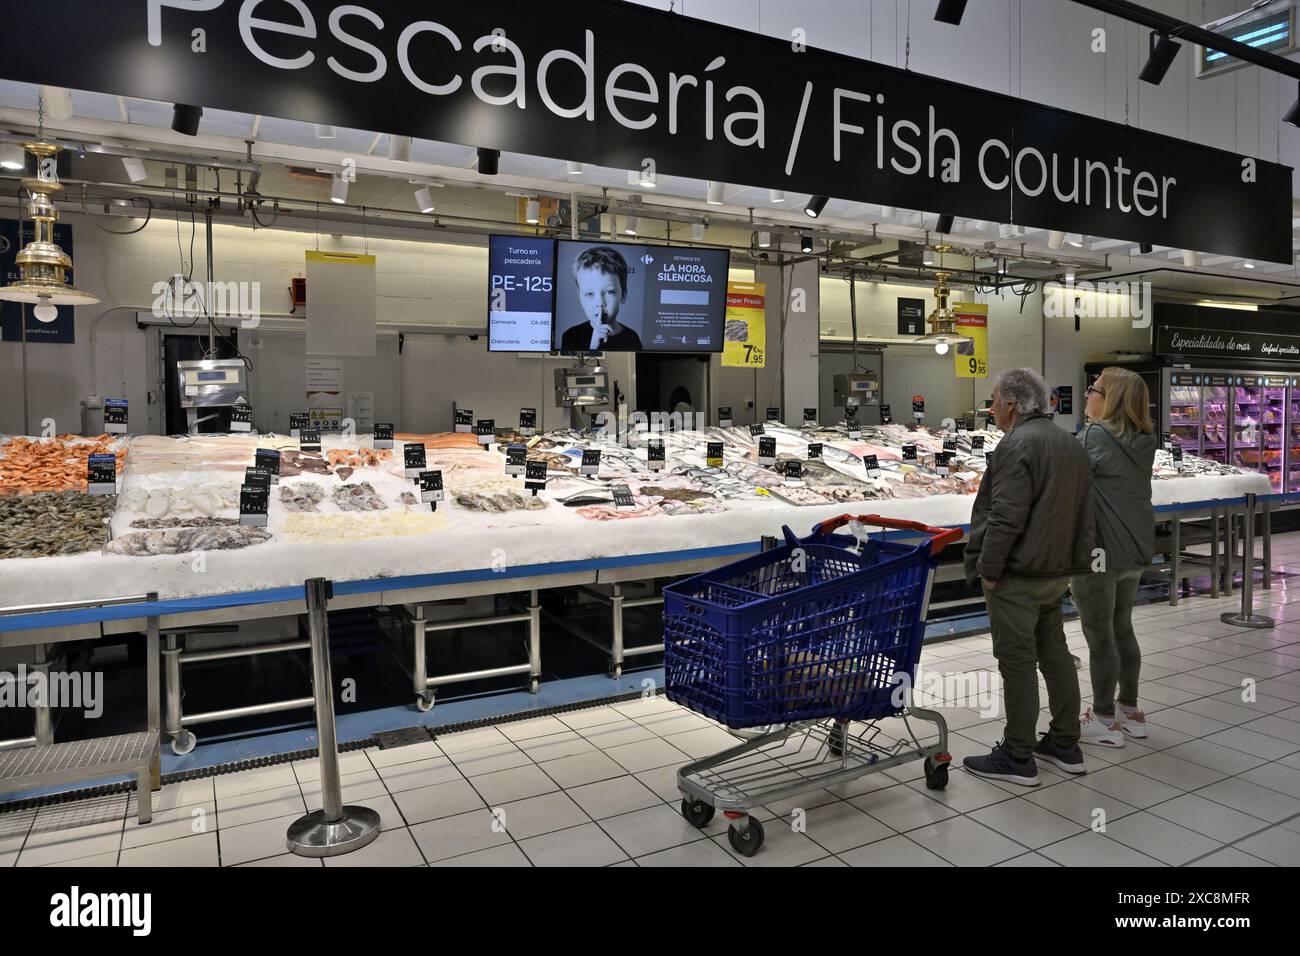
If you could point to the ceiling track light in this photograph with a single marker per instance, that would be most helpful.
(1055, 239)
(323, 131)
(950, 11)
(888, 212)
(135, 170)
(697, 231)
(489, 161)
(806, 243)
(338, 189)
(12, 156)
(399, 148)
(1163, 52)
(424, 199)
(815, 206)
(944, 225)
(533, 213)
(1191, 259)
(1248, 264)
(1145, 248)
(185, 119)
(776, 195)
(715, 193)
(574, 169)
(764, 240)
(632, 225)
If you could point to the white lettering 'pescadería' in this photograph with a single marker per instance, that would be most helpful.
(98, 910)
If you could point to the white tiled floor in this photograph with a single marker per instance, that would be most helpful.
(1216, 783)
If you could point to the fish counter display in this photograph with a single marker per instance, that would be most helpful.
(350, 511)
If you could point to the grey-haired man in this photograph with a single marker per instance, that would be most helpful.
(1031, 526)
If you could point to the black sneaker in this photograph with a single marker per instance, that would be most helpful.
(1000, 765)
(1068, 759)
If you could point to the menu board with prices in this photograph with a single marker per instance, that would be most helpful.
(464, 420)
(918, 407)
(297, 422)
(774, 414)
(909, 453)
(713, 455)
(516, 460)
(872, 463)
(253, 501)
(810, 416)
(241, 418)
(115, 416)
(724, 416)
(101, 474)
(486, 430)
(430, 487)
(757, 429)
(413, 458)
(384, 434)
(623, 497)
(590, 462)
(656, 456)
(528, 422)
(886, 415)
(268, 459)
(767, 450)
(814, 449)
(535, 476)
(309, 439)
(257, 478)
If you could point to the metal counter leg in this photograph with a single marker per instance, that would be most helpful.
(616, 650)
(182, 740)
(44, 715)
(144, 796)
(534, 642)
(153, 693)
(1230, 553)
(424, 694)
(1175, 554)
(1247, 617)
(1268, 545)
(1214, 552)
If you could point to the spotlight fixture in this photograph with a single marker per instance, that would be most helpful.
(1163, 51)
(1292, 115)
(42, 265)
(324, 132)
(697, 231)
(1077, 243)
(12, 156)
(1069, 278)
(815, 206)
(1055, 239)
(574, 169)
(489, 161)
(399, 148)
(646, 179)
(888, 212)
(632, 224)
(806, 243)
(135, 170)
(1145, 248)
(950, 11)
(776, 195)
(945, 225)
(424, 199)
(715, 194)
(1008, 230)
(1191, 259)
(185, 119)
(1248, 264)
(764, 240)
(338, 189)
(533, 215)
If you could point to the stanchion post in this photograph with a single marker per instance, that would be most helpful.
(1247, 617)
(334, 829)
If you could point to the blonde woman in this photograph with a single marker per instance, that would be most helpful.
(1121, 446)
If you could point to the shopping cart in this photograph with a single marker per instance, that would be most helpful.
(819, 636)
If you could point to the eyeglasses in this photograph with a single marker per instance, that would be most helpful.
(1094, 390)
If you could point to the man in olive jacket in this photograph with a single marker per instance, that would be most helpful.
(1031, 526)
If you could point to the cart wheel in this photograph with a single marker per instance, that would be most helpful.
(697, 812)
(532, 686)
(936, 774)
(835, 740)
(746, 842)
(615, 671)
(424, 702)
(183, 743)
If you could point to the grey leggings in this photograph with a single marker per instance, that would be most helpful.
(1105, 602)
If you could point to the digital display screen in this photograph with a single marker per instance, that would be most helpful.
(622, 297)
(521, 283)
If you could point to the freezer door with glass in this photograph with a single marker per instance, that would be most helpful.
(1272, 428)
(1247, 431)
(1183, 410)
(1216, 411)
(1293, 436)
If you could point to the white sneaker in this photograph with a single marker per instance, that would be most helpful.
(1100, 731)
(1133, 722)
(749, 733)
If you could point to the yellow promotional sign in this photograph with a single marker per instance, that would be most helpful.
(971, 357)
(744, 342)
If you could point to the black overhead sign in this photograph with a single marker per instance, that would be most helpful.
(577, 80)
(1227, 343)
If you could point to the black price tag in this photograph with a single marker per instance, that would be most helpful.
(241, 418)
(115, 416)
(794, 469)
(757, 429)
(297, 422)
(810, 416)
(977, 444)
(309, 439)
(253, 501)
(767, 450)
(623, 497)
(590, 461)
(918, 407)
(1177, 452)
(950, 444)
(886, 415)
(815, 449)
(941, 462)
(528, 422)
(535, 476)
(909, 453)
(850, 413)
(384, 434)
(486, 430)
(465, 420)
(413, 458)
(656, 457)
(516, 460)
(430, 487)
(268, 459)
(101, 474)
(969, 423)
(873, 466)
(713, 454)
(257, 478)
(724, 416)
(774, 414)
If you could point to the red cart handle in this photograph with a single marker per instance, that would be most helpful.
(940, 538)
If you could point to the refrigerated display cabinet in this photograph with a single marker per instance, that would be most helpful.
(1216, 416)
(1184, 405)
